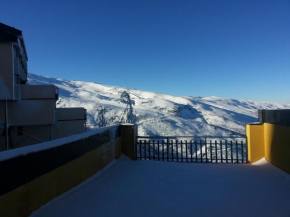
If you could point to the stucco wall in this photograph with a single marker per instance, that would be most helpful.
(277, 145)
(6, 69)
(271, 141)
(255, 139)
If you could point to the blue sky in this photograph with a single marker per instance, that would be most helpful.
(237, 49)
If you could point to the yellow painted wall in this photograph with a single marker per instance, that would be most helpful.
(270, 141)
(23, 200)
(128, 135)
(255, 137)
(277, 145)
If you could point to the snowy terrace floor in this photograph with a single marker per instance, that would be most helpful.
(154, 189)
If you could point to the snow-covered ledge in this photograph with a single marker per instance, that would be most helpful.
(34, 175)
(12, 153)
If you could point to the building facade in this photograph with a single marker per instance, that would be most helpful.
(28, 113)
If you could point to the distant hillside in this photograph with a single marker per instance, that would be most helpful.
(157, 114)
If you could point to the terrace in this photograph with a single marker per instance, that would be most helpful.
(149, 188)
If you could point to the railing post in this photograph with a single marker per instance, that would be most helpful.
(191, 150)
(149, 149)
(181, 151)
(200, 145)
(158, 150)
(176, 149)
(215, 145)
(163, 150)
(227, 159)
(195, 143)
(145, 149)
(205, 149)
(242, 148)
(167, 149)
(210, 144)
(221, 144)
(237, 150)
(186, 150)
(129, 133)
(232, 152)
(172, 149)
(154, 154)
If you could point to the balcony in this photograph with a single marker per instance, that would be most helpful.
(30, 112)
(38, 92)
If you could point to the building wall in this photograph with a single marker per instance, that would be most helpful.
(41, 120)
(277, 145)
(70, 121)
(6, 72)
(31, 112)
(17, 139)
(73, 113)
(271, 138)
(21, 139)
(67, 128)
(40, 92)
(31, 108)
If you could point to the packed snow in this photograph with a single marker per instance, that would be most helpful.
(151, 188)
(157, 114)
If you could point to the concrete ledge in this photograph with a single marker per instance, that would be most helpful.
(38, 92)
(64, 114)
(23, 200)
(30, 112)
(34, 175)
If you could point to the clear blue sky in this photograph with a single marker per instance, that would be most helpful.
(229, 48)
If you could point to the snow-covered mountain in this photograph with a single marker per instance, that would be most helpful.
(157, 114)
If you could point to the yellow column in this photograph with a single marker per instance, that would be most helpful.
(255, 137)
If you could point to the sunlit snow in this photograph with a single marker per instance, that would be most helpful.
(159, 114)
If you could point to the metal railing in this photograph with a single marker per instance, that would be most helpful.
(205, 149)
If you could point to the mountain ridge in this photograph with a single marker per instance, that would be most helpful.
(155, 113)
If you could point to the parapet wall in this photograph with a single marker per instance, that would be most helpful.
(270, 138)
(277, 145)
(255, 140)
(31, 176)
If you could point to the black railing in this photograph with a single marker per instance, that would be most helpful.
(193, 149)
